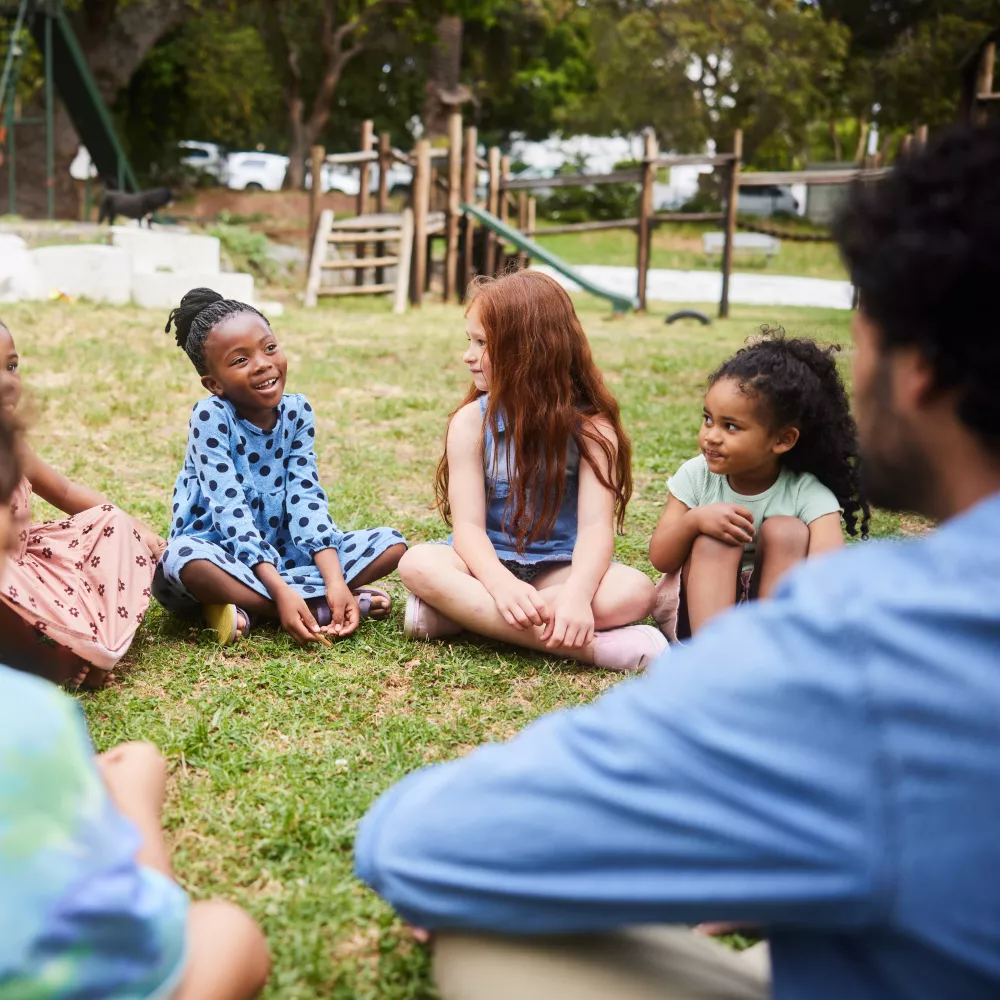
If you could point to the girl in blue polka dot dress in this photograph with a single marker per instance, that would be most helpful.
(252, 533)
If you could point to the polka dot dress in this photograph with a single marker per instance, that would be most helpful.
(247, 496)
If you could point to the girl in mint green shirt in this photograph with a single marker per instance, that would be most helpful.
(776, 475)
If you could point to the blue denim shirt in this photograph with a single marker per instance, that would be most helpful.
(496, 469)
(825, 764)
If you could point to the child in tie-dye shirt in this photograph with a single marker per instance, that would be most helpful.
(89, 905)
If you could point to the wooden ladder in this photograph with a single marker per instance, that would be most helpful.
(392, 239)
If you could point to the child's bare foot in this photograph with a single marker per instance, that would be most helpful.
(373, 603)
(94, 678)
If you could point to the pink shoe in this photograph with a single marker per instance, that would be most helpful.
(421, 621)
(633, 647)
(668, 602)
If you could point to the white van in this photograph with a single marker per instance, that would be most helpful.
(256, 171)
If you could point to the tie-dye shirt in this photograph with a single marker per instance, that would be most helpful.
(80, 918)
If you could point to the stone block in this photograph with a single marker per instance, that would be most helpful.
(164, 289)
(99, 273)
(155, 250)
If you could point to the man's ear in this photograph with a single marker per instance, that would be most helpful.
(213, 386)
(785, 440)
(914, 382)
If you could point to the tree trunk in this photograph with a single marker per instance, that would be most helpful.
(114, 42)
(298, 144)
(444, 91)
(838, 153)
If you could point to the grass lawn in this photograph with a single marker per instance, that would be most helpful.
(679, 246)
(275, 752)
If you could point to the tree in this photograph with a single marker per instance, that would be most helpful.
(902, 65)
(114, 36)
(312, 44)
(699, 69)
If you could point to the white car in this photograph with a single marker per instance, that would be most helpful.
(347, 180)
(767, 201)
(256, 171)
(205, 157)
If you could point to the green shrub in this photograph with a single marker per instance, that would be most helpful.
(249, 251)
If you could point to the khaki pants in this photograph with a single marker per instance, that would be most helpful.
(642, 963)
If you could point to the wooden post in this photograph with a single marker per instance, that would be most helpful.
(522, 224)
(468, 196)
(493, 208)
(532, 206)
(984, 83)
(732, 203)
(454, 200)
(649, 155)
(503, 211)
(316, 157)
(421, 206)
(367, 135)
(384, 164)
(920, 136)
(907, 147)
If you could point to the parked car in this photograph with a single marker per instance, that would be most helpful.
(256, 171)
(205, 157)
(347, 179)
(767, 200)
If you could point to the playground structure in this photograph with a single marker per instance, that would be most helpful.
(479, 235)
(66, 73)
(978, 95)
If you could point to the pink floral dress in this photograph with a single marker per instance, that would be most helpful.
(84, 581)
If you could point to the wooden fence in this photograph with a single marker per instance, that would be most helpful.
(447, 175)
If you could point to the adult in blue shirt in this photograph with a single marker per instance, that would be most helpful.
(825, 764)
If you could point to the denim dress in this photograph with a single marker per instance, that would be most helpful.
(558, 547)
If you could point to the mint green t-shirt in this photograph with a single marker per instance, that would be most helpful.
(794, 494)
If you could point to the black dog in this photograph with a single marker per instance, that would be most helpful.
(133, 206)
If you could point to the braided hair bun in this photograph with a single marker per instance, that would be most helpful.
(200, 311)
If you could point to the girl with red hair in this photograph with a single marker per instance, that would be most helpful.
(534, 480)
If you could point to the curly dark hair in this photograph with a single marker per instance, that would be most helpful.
(200, 311)
(797, 383)
(923, 248)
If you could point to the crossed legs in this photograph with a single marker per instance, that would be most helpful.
(439, 576)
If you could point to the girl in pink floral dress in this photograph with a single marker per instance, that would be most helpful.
(83, 582)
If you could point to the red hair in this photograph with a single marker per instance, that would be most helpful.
(543, 381)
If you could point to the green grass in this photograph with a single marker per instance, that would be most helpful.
(679, 246)
(276, 752)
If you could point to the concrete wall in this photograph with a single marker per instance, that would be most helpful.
(156, 250)
(19, 274)
(99, 273)
(164, 289)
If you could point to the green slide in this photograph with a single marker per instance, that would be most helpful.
(76, 86)
(619, 303)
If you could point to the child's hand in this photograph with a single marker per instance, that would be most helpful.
(726, 522)
(344, 610)
(296, 618)
(572, 623)
(156, 545)
(519, 603)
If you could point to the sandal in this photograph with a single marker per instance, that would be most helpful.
(225, 620)
(365, 595)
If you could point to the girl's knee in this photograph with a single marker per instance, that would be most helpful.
(711, 550)
(788, 534)
(418, 566)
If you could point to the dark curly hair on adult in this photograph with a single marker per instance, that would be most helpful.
(200, 311)
(923, 248)
(797, 385)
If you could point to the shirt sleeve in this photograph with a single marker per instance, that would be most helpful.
(688, 482)
(309, 522)
(212, 447)
(734, 781)
(815, 500)
(90, 920)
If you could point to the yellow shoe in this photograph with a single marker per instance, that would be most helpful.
(225, 620)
